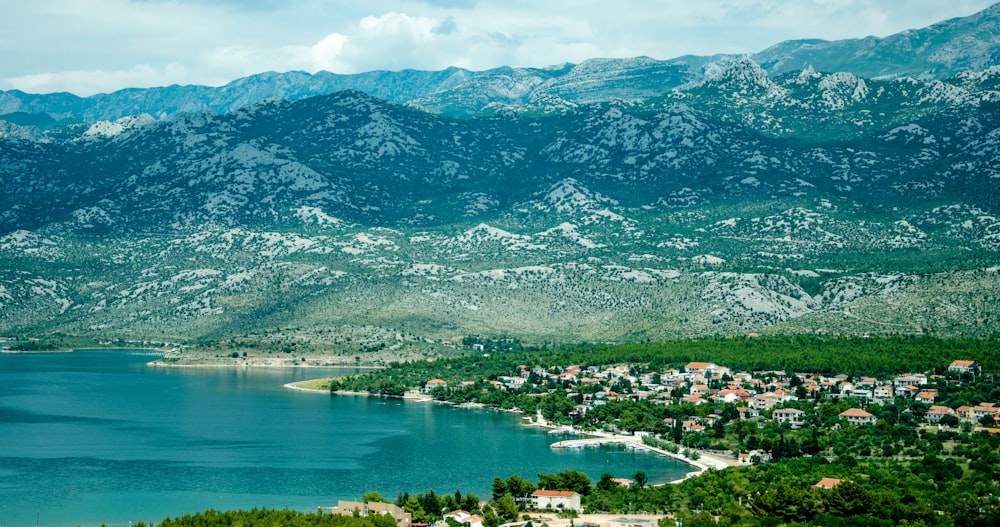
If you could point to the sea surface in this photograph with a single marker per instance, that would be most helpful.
(99, 437)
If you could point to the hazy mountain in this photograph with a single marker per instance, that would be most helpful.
(940, 51)
(937, 52)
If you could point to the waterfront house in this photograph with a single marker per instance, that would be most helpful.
(434, 383)
(556, 499)
(692, 425)
(360, 509)
(623, 482)
(465, 518)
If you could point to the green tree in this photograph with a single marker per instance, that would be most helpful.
(373, 497)
(519, 487)
(413, 507)
(606, 482)
(848, 499)
(506, 507)
(499, 487)
(640, 479)
(571, 480)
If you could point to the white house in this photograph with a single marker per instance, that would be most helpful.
(556, 499)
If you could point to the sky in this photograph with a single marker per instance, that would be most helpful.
(94, 46)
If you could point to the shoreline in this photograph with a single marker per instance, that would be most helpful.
(302, 386)
(704, 462)
(319, 361)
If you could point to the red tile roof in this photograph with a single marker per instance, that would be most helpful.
(553, 493)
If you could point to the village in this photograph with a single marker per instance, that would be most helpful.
(721, 404)
(717, 396)
(832, 439)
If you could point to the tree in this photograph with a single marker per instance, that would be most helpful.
(506, 507)
(413, 507)
(430, 503)
(382, 520)
(849, 499)
(373, 497)
(640, 479)
(606, 482)
(571, 480)
(499, 487)
(519, 487)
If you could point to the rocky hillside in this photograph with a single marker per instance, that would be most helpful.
(805, 202)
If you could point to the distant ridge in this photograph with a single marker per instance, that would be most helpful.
(939, 52)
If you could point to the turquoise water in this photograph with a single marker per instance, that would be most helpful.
(92, 438)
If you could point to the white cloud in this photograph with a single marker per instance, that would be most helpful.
(96, 81)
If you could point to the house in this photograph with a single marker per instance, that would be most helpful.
(694, 399)
(926, 397)
(623, 482)
(857, 416)
(981, 410)
(789, 415)
(882, 393)
(465, 518)
(936, 413)
(692, 425)
(962, 366)
(699, 367)
(352, 508)
(764, 401)
(434, 383)
(827, 483)
(556, 499)
(700, 389)
(917, 379)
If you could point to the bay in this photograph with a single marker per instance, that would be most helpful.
(90, 438)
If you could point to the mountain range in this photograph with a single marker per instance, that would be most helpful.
(938, 52)
(608, 201)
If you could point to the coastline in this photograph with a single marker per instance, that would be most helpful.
(194, 361)
(7, 351)
(704, 462)
(306, 386)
